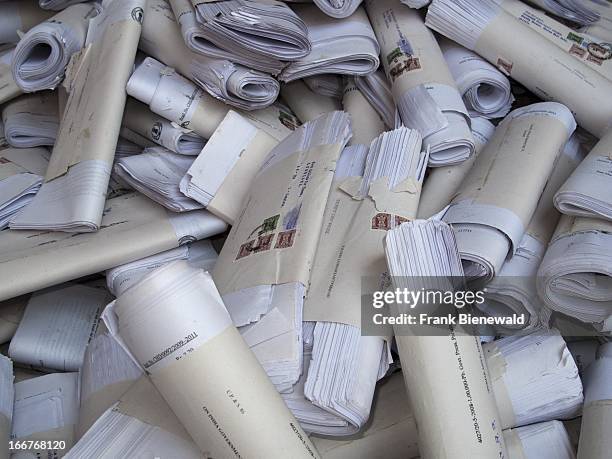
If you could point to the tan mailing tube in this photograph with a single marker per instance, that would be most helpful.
(203, 368)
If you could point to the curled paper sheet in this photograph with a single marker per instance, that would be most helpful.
(28, 259)
(485, 90)
(21, 175)
(443, 182)
(365, 120)
(7, 396)
(588, 191)
(534, 378)
(453, 404)
(156, 173)
(574, 275)
(73, 195)
(347, 47)
(306, 104)
(56, 39)
(199, 254)
(338, 8)
(19, 16)
(547, 70)
(595, 443)
(513, 290)
(326, 84)
(536, 441)
(139, 119)
(421, 83)
(255, 420)
(375, 87)
(31, 120)
(8, 87)
(490, 212)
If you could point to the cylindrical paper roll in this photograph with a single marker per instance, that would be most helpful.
(202, 367)
(365, 121)
(306, 104)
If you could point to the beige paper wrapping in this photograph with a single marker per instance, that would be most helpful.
(595, 439)
(5, 436)
(31, 14)
(365, 121)
(43, 103)
(220, 396)
(96, 81)
(11, 312)
(351, 247)
(18, 160)
(139, 122)
(306, 104)
(570, 225)
(451, 397)
(548, 71)
(514, 445)
(8, 88)
(496, 363)
(29, 260)
(280, 255)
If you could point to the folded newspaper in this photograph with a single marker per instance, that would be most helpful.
(31, 120)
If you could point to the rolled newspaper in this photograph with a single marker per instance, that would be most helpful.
(43, 53)
(448, 385)
(19, 16)
(326, 84)
(420, 78)
(595, 443)
(523, 54)
(365, 120)
(306, 104)
(545, 439)
(375, 87)
(588, 190)
(490, 212)
(239, 412)
(338, 8)
(32, 120)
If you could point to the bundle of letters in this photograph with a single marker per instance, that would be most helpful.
(334, 229)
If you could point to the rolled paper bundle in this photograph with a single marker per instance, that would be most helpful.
(513, 290)
(584, 352)
(538, 441)
(251, 31)
(229, 384)
(7, 395)
(595, 443)
(199, 254)
(11, 312)
(365, 120)
(443, 182)
(534, 378)
(29, 258)
(574, 275)
(21, 175)
(600, 31)
(328, 85)
(31, 120)
(490, 212)
(524, 54)
(107, 373)
(306, 104)
(57, 4)
(19, 16)
(448, 385)
(338, 9)
(423, 88)
(46, 409)
(140, 424)
(416, 3)
(485, 90)
(8, 87)
(578, 11)
(587, 192)
(346, 46)
(375, 87)
(43, 53)
(156, 173)
(139, 119)
(73, 195)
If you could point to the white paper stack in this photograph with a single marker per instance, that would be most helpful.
(574, 277)
(42, 55)
(545, 440)
(423, 88)
(485, 90)
(107, 373)
(588, 191)
(138, 119)
(375, 87)
(534, 378)
(326, 84)
(491, 211)
(251, 33)
(21, 175)
(200, 254)
(7, 396)
(46, 408)
(56, 327)
(156, 173)
(31, 120)
(346, 46)
(338, 8)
